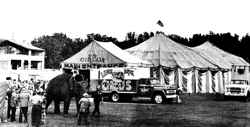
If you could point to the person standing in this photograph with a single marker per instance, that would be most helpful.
(24, 98)
(13, 104)
(36, 112)
(43, 118)
(9, 92)
(30, 88)
(97, 99)
(84, 110)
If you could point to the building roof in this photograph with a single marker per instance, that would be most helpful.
(104, 53)
(161, 50)
(218, 56)
(23, 45)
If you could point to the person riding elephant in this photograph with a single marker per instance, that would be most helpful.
(62, 88)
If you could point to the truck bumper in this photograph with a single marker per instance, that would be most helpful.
(171, 96)
(235, 94)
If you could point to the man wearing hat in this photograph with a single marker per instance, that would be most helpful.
(84, 110)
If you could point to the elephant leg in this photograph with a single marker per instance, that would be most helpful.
(49, 100)
(57, 107)
(77, 104)
(66, 105)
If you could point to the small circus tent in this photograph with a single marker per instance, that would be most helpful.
(102, 54)
(179, 65)
(98, 55)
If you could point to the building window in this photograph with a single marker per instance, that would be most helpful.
(36, 65)
(26, 64)
(241, 71)
(15, 64)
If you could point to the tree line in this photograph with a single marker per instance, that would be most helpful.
(59, 46)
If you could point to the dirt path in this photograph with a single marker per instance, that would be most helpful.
(195, 111)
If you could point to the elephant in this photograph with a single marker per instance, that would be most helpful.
(62, 88)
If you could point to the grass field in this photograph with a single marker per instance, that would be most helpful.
(195, 111)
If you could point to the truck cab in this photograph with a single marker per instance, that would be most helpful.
(239, 88)
(153, 89)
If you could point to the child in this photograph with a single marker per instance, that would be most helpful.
(84, 109)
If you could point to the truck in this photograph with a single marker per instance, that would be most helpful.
(239, 84)
(127, 83)
(238, 88)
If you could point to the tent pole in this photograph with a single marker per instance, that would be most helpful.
(99, 81)
(159, 53)
(160, 74)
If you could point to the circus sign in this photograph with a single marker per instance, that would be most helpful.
(119, 73)
(92, 58)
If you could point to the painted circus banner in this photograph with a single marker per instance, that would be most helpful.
(122, 79)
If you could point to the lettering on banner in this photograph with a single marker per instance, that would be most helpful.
(119, 74)
(129, 72)
(115, 75)
(128, 85)
(117, 81)
(92, 58)
(106, 72)
(75, 66)
(116, 85)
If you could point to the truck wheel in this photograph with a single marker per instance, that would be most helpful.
(226, 97)
(158, 98)
(115, 97)
(247, 97)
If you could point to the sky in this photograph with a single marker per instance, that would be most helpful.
(25, 20)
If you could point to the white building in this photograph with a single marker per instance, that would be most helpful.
(20, 60)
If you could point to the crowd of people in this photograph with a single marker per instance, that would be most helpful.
(21, 95)
(25, 94)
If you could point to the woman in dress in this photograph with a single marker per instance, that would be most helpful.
(36, 113)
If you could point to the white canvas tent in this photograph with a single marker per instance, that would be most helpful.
(179, 65)
(161, 50)
(221, 58)
(224, 60)
(101, 54)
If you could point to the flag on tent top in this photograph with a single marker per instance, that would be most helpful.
(159, 22)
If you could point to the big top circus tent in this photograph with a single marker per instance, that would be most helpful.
(182, 66)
